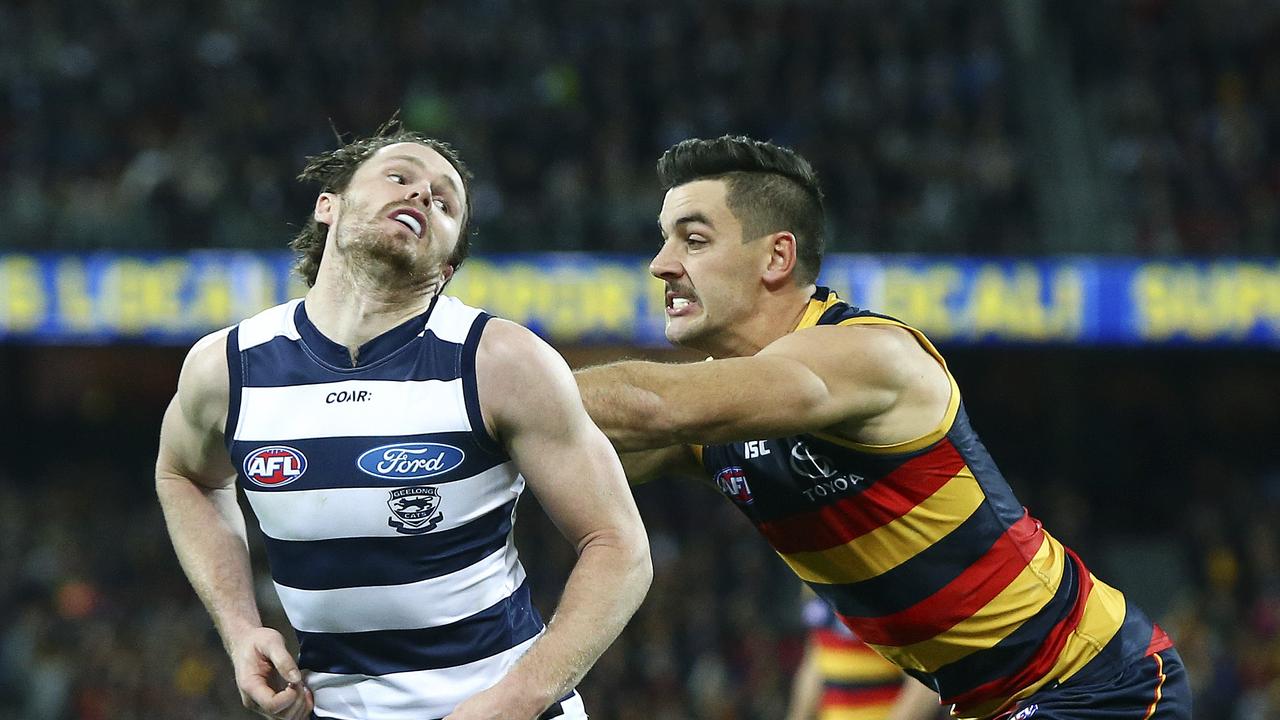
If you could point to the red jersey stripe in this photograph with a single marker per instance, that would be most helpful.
(1160, 640)
(833, 639)
(1045, 657)
(891, 497)
(972, 589)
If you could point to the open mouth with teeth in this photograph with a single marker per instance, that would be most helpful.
(680, 305)
(411, 219)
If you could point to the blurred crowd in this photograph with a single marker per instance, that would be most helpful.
(126, 124)
(1169, 491)
(1188, 96)
(131, 125)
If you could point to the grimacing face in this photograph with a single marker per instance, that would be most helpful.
(711, 273)
(404, 206)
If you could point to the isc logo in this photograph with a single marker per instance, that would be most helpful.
(274, 466)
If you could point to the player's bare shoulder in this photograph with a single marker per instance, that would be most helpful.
(191, 434)
(886, 356)
(515, 354)
(204, 384)
(890, 388)
(518, 375)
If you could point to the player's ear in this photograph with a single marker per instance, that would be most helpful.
(326, 207)
(446, 273)
(782, 259)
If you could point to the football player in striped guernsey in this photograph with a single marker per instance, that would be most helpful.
(840, 678)
(841, 435)
(382, 433)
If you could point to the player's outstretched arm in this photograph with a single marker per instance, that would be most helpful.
(195, 485)
(530, 401)
(814, 379)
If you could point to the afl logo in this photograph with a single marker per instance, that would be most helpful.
(409, 461)
(274, 466)
(732, 481)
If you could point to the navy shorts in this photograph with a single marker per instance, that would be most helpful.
(1153, 688)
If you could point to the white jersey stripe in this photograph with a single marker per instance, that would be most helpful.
(394, 408)
(451, 321)
(269, 324)
(363, 512)
(417, 695)
(428, 603)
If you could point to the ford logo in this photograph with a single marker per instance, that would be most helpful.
(409, 461)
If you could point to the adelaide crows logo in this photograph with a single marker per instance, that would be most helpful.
(825, 477)
(806, 463)
(415, 510)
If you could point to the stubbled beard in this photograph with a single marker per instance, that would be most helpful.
(373, 247)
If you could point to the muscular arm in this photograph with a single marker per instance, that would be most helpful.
(528, 396)
(194, 483)
(873, 384)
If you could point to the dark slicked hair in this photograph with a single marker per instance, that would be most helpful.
(333, 171)
(770, 189)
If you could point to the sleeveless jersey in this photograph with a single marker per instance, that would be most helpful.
(925, 553)
(857, 684)
(386, 507)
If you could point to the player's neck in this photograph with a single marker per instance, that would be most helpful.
(351, 307)
(775, 315)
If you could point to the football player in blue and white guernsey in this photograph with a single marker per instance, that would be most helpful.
(382, 433)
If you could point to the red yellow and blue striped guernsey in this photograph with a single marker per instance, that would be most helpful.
(922, 550)
(857, 684)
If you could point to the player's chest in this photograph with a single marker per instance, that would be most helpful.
(782, 476)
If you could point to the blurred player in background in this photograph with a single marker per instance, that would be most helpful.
(840, 678)
(383, 433)
(841, 435)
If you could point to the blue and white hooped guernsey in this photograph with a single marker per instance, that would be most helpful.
(387, 510)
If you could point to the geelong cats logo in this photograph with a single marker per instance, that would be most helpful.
(414, 510)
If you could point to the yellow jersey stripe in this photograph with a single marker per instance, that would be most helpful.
(877, 711)
(1104, 613)
(999, 618)
(855, 667)
(893, 543)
